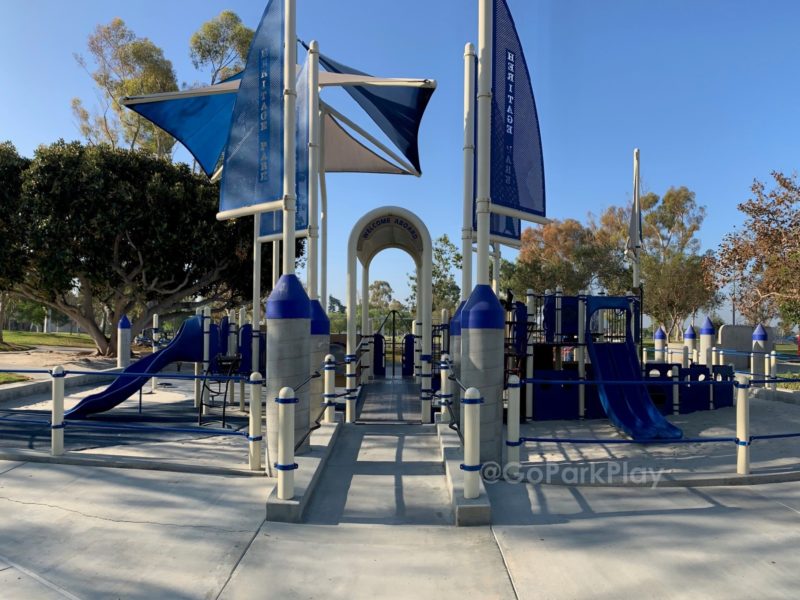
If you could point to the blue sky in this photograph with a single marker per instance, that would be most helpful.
(707, 89)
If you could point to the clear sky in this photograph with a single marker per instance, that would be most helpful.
(706, 88)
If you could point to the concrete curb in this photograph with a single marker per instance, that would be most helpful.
(112, 462)
(465, 512)
(306, 477)
(15, 391)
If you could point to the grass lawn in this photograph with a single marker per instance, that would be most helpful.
(12, 378)
(24, 338)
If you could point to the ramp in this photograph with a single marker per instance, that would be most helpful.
(629, 407)
(187, 346)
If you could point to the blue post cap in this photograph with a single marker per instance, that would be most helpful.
(455, 321)
(483, 310)
(124, 323)
(660, 334)
(288, 300)
(320, 323)
(689, 334)
(707, 328)
(760, 334)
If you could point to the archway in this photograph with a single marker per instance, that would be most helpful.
(379, 229)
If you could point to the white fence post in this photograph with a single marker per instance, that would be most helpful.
(471, 407)
(742, 425)
(445, 396)
(676, 392)
(329, 393)
(350, 381)
(285, 466)
(198, 369)
(773, 370)
(512, 429)
(255, 433)
(154, 381)
(240, 343)
(206, 352)
(57, 416)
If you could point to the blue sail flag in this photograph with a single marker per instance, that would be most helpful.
(517, 166)
(253, 164)
(272, 222)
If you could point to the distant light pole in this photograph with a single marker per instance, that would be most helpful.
(735, 276)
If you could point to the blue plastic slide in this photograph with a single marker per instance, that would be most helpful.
(629, 407)
(186, 346)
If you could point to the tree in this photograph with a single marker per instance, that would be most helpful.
(221, 45)
(12, 166)
(335, 306)
(380, 294)
(124, 65)
(446, 262)
(128, 232)
(763, 257)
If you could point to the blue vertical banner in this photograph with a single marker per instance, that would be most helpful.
(272, 222)
(253, 162)
(517, 165)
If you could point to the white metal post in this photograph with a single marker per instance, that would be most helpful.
(242, 321)
(773, 370)
(285, 466)
(198, 368)
(206, 351)
(154, 381)
(233, 336)
(329, 394)
(313, 169)
(123, 342)
(685, 357)
(470, 406)
(255, 342)
(323, 223)
(351, 389)
(445, 396)
(559, 327)
(636, 207)
(513, 441)
(742, 425)
(496, 268)
(57, 415)
(531, 306)
(289, 127)
(366, 358)
(469, 171)
(483, 202)
(255, 432)
(582, 354)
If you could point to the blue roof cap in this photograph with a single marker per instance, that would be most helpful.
(288, 300)
(483, 310)
(660, 334)
(124, 323)
(760, 334)
(455, 321)
(689, 334)
(708, 327)
(320, 323)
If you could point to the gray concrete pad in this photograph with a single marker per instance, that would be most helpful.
(370, 561)
(718, 459)
(561, 542)
(107, 533)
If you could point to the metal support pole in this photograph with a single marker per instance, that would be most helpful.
(512, 427)
(685, 357)
(57, 416)
(241, 342)
(351, 389)
(154, 381)
(582, 354)
(255, 433)
(742, 425)
(445, 396)
(289, 128)
(529, 354)
(206, 351)
(471, 407)
(773, 370)
(233, 337)
(329, 395)
(483, 202)
(469, 167)
(286, 466)
(198, 370)
(255, 341)
(426, 388)
(676, 393)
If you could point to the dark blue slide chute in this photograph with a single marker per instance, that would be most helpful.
(186, 346)
(629, 407)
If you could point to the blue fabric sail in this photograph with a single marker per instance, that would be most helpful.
(253, 162)
(517, 171)
(396, 110)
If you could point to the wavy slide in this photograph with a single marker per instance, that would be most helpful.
(186, 346)
(629, 407)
